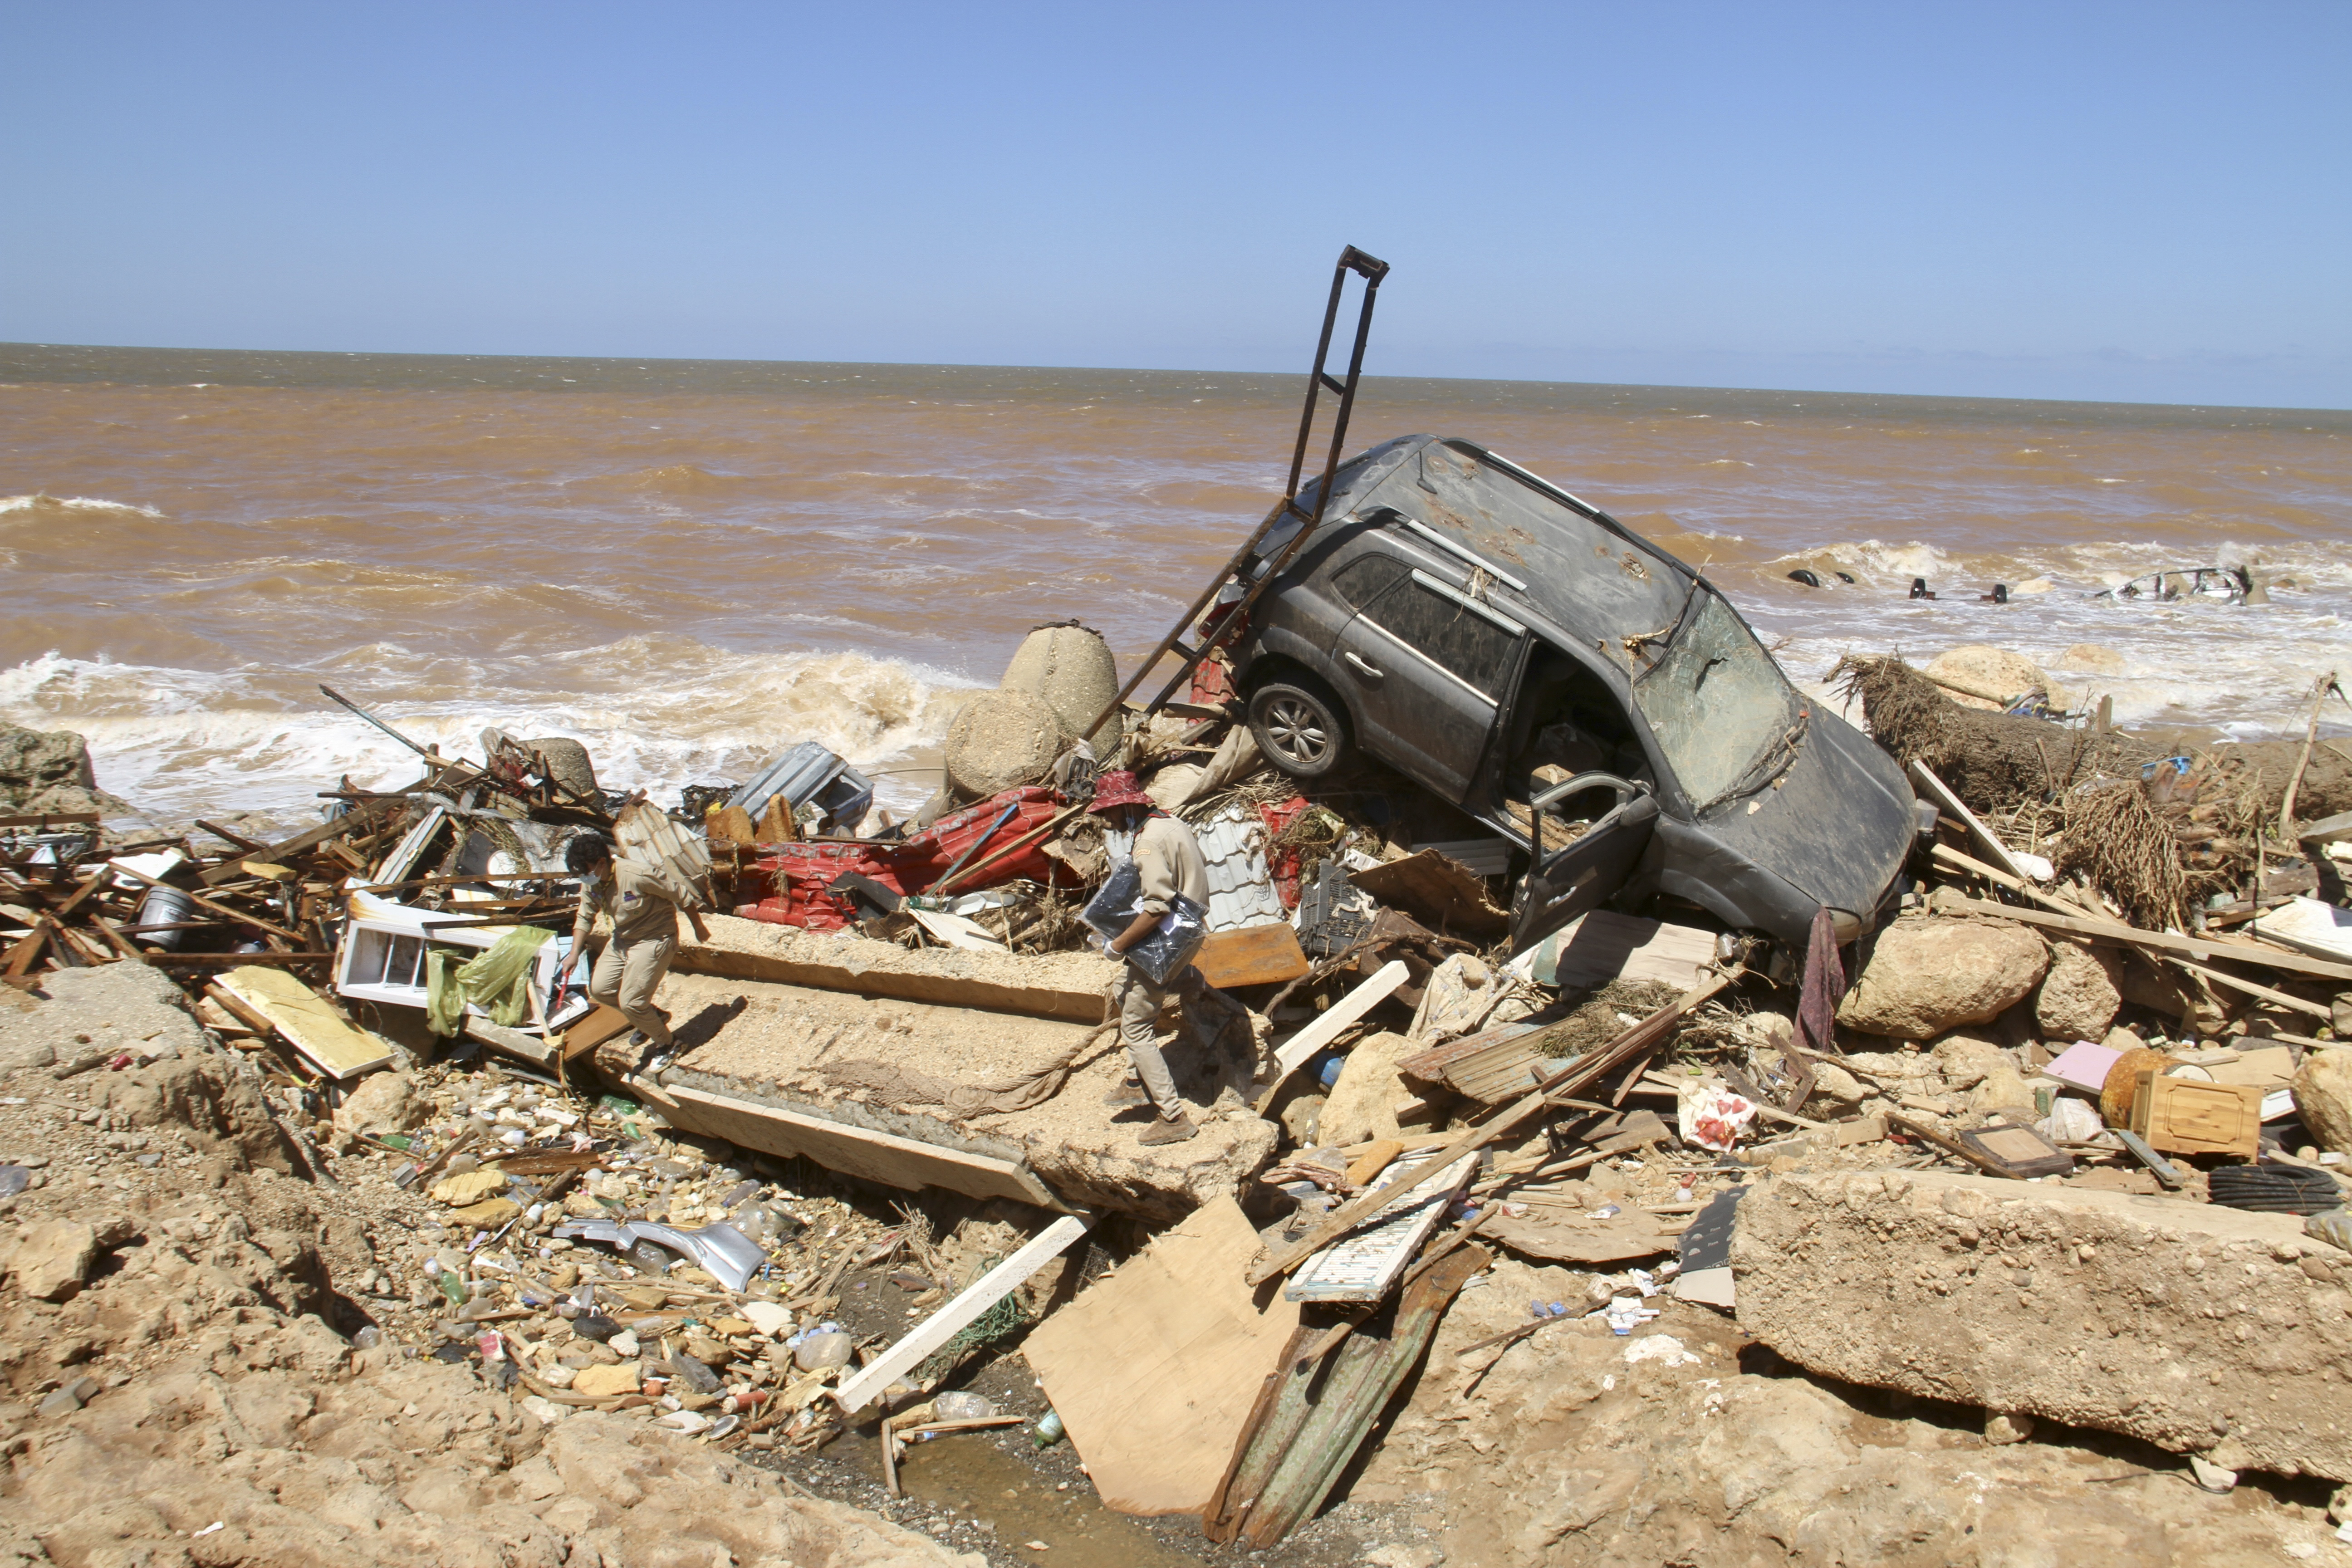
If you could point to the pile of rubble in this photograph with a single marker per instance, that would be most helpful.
(1593, 1247)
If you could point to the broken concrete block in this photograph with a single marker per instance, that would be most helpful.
(2080, 996)
(2200, 1329)
(1930, 975)
(1000, 740)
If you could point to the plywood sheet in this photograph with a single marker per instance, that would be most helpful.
(1254, 955)
(1440, 889)
(306, 1021)
(1154, 1368)
(1605, 945)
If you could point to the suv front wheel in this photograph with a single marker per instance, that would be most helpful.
(1300, 727)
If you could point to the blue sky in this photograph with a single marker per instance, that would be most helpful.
(2149, 202)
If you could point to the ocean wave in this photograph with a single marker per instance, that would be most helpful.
(40, 502)
(655, 713)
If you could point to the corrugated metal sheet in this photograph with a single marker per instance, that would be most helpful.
(1241, 892)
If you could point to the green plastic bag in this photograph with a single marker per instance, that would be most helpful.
(498, 981)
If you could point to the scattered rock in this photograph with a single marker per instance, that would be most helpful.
(2080, 996)
(1928, 976)
(1361, 1106)
(53, 1259)
(69, 1398)
(2323, 1093)
(606, 1382)
(383, 1102)
(2095, 657)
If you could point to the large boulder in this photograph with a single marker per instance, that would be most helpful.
(2081, 994)
(1000, 741)
(1070, 667)
(53, 1261)
(1982, 677)
(2323, 1094)
(1929, 976)
(49, 770)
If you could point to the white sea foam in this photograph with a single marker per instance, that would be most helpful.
(40, 502)
(655, 714)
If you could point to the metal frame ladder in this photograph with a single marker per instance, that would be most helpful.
(1372, 270)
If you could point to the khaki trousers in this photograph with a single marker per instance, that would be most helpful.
(626, 975)
(1139, 1002)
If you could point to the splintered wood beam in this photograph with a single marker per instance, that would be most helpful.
(1578, 1075)
(934, 1332)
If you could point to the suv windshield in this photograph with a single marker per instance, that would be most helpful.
(1720, 708)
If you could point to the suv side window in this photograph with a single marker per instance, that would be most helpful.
(1367, 577)
(1454, 636)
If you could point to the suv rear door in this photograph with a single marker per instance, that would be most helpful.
(1423, 666)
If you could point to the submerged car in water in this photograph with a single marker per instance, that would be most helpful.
(1528, 659)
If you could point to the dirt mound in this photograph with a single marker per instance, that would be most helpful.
(190, 1373)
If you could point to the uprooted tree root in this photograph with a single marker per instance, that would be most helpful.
(1991, 760)
(2118, 839)
(1997, 761)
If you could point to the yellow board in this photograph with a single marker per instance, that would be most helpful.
(303, 1018)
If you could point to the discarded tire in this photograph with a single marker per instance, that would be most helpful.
(2273, 1189)
(1300, 727)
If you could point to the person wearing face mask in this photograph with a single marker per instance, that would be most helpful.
(643, 902)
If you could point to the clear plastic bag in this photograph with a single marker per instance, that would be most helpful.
(1171, 944)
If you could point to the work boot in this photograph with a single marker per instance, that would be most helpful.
(1169, 1130)
(1127, 1097)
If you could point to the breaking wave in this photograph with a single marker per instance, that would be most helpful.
(655, 713)
(40, 502)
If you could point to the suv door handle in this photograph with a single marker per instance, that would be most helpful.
(1362, 668)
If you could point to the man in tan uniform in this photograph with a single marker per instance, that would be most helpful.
(643, 902)
(1171, 865)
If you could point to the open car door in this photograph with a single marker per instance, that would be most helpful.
(1574, 879)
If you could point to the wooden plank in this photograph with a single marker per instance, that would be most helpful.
(1579, 1075)
(239, 916)
(1605, 945)
(875, 1378)
(42, 819)
(1292, 1052)
(2185, 1116)
(302, 1018)
(351, 821)
(593, 1030)
(1254, 955)
(1153, 1369)
(1925, 781)
(1362, 1267)
(885, 1157)
(514, 1042)
(1440, 889)
(2206, 950)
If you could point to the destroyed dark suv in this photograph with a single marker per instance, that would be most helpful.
(1530, 659)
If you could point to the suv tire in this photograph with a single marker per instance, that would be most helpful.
(1299, 726)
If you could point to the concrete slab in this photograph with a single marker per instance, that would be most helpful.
(847, 1079)
(2202, 1330)
(1069, 986)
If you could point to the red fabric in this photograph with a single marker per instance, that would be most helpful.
(802, 875)
(1213, 684)
(1116, 789)
(1283, 863)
